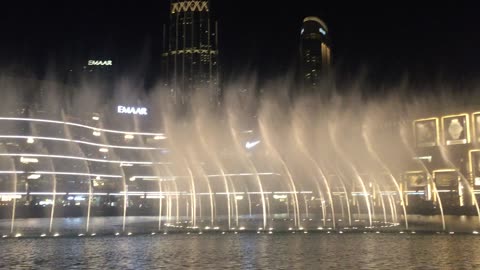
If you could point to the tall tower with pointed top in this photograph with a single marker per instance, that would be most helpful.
(190, 57)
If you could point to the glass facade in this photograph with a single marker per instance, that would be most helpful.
(190, 56)
(314, 51)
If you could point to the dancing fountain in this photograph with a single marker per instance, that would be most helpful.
(261, 163)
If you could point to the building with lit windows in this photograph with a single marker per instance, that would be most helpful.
(446, 168)
(191, 51)
(315, 52)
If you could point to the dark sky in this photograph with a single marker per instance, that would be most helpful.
(390, 39)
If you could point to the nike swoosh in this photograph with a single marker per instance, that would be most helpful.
(249, 145)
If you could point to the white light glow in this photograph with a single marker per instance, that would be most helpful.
(26, 160)
(30, 139)
(100, 62)
(128, 136)
(34, 176)
(77, 125)
(122, 162)
(126, 164)
(103, 150)
(250, 145)
(96, 133)
(132, 110)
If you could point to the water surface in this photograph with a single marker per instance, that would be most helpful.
(245, 251)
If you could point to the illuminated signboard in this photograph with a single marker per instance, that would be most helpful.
(476, 122)
(455, 129)
(416, 180)
(446, 180)
(475, 166)
(132, 110)
(100, 62)
(426, 132)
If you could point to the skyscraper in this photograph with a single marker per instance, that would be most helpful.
(315, 54)
(190, 51)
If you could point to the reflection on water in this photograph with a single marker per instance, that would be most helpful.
(246, 251)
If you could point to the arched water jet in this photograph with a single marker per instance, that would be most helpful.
(304, 150)
(14, 204)
(235, 201)
(249, 204)
(227, 192)
(374, 154)
(54, 197)
(331, 131)
(177, 203)
(347, 200)
(125, 202)
(269, 212)
(322, 175)
(160, 205)
(322, 202)
(462, 177)
(255, 173)
(68, 135)
(89, 205)
(212, 206)
(306, 206)
(425, 169)
(372, 202)
(382, 202)
(393, 210)
(291, 183)
(193, 197)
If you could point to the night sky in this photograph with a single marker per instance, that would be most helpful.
(388, 40)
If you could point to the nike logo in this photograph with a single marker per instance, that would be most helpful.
(249, 145)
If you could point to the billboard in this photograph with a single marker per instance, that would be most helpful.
(475, 166)
(455, 129)
(446, 180)
(416, 179)
(476, 127)
(426, 132)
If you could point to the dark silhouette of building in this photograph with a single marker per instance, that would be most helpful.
(190, 51)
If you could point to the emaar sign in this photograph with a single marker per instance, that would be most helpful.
(132, 110)
(100, 63)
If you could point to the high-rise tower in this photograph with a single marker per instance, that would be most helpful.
(315, 52)
(190, 51)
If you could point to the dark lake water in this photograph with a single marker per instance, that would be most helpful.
(245, 251)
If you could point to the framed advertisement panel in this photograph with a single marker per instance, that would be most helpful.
(476, 127)
(416, 180)
(446, 180)
(474, 166)
(426, 132)
(455, 129)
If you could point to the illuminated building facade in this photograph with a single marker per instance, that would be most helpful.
(447, 166)
(315, 52)
(191, 51)
(112, 162)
